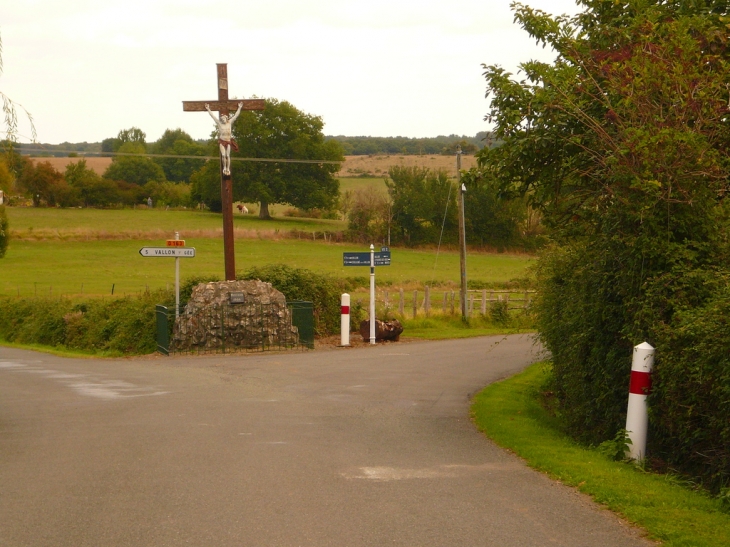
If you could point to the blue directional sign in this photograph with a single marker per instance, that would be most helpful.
(363, 259)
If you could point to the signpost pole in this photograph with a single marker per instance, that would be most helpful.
(177, 281)
(372, 294)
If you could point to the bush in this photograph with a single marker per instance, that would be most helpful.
(300, 284)
(690, 401)
(121, 325)
(590, 324)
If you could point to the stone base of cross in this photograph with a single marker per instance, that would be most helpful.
(224, 107)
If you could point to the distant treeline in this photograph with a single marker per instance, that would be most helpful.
(443, 144)
(51, 150)
(353, 146)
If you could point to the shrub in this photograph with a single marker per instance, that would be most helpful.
(121, 325)
(690, 402)
(300, 284)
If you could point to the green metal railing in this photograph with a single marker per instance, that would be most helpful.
(163, 329)
(235, 328)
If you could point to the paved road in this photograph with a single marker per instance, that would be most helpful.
(350, 447)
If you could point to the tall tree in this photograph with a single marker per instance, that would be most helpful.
(40, 180)
(622, 142)
(283, 131)
(279, 131)
(177, 142)
(134, 169)
(423, 201)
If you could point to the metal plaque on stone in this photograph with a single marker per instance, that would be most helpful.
(236, 298)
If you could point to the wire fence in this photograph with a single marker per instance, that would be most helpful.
(248, 327)
(427, 302)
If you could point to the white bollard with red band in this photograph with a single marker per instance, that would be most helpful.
(345, 320)
(637, 416)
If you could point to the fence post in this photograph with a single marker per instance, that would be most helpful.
(471, 304)
(427, 300)
(452, 302)
(637, 416)
(484, 301)
(443, 304)
(401, 303)
(415, 303)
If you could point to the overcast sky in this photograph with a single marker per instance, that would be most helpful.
(87, 68)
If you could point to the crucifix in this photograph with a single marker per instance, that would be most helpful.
(225, 141)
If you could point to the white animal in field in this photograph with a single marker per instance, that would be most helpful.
(242, 209)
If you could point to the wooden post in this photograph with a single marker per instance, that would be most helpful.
(484, 302)
(427, 300)
(446, 299)
(471, 304)
(452, 302)
(401, 303)
(224, 106)
(415, 303)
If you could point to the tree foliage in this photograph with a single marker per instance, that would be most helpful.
(137, 170)
(443, 144)
(178, 143)
(423, 201)
(283, 131)
(368, 211)
(622, 145)
(40, 180)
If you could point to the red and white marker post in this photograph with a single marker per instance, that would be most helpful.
(637, 415)
(345, 320)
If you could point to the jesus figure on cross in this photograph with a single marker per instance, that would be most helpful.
(225, 136)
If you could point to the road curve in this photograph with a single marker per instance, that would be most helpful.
(348, 447)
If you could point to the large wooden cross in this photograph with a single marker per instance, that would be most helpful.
(225, 106)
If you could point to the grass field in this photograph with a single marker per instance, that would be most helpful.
(55, 267)
(57, 250)
(36, 223)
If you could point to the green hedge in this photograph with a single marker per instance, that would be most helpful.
(323, 291)
(119, 325)
(690, 402)
(589, 320)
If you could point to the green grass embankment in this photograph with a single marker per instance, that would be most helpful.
(510, 413)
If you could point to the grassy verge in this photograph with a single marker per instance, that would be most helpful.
(64, 352)
(443, 327)
(510, 414)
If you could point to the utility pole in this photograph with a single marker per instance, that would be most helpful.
(462, 233)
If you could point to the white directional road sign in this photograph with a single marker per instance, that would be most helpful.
(168, 252)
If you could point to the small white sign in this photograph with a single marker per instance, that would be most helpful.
(168, 252)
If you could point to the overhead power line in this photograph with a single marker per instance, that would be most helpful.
(82, 154)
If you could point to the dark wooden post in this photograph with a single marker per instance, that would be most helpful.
(225, 106)
(226, 186)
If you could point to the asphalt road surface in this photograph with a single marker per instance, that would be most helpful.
(349, 447)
